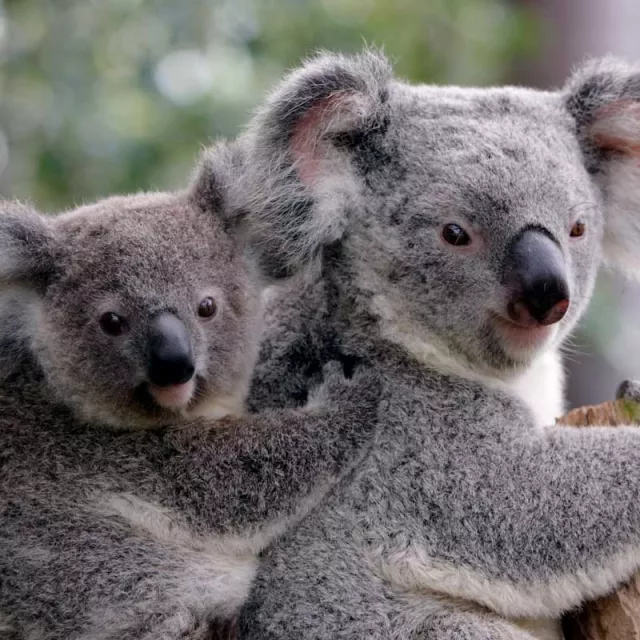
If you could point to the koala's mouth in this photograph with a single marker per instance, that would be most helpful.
(520, 339)
(175, 398)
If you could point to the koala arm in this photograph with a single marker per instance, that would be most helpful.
(266, 468)
(539, 522)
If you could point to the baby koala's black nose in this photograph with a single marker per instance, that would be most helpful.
(170, 356)
(536, 275)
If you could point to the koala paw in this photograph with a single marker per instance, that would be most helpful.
(629, 390)
(360, 393)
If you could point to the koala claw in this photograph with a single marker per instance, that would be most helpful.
(629, 390)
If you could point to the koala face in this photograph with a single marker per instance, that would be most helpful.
(145, 308)
(469, 222)
(480, 228)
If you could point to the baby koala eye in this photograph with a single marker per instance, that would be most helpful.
(207, 308)
(455, 235)
(579, 229)
(112, 324)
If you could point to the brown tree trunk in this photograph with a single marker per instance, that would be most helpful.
(616, 616)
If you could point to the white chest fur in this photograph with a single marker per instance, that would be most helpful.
(542, 388)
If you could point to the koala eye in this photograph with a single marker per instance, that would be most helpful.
(207, 308)
(455, 235)
(112, 324)
(579, 229)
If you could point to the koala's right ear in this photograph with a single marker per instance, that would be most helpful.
(300, 182)
(604, 99)
(27, 246)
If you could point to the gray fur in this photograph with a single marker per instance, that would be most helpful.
(629, 390)
(120, 519)
(469, 514)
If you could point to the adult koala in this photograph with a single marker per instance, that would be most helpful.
(134, 493)
(458, 233)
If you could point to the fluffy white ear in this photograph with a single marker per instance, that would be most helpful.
(27, 246)
(300, 182)
(604, 99)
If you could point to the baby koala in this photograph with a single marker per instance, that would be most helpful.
(130, 506)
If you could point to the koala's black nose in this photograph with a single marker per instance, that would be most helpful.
(536, 275)
(170, 356)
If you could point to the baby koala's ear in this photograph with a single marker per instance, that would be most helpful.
(28, 247)
(216, 184)
(221, 188)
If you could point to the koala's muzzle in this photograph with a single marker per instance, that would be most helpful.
(535, 274)
(170, 355)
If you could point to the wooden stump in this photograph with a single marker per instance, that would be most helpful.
(617, 616)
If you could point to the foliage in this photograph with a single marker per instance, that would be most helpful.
(105, 97)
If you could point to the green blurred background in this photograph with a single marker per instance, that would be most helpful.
(101, 97)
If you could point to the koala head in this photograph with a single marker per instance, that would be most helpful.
(466, 221)
(139, 309)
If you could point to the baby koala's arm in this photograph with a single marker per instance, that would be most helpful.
(149, 501)
(240, 473)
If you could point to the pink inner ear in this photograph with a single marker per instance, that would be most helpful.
(616, 127)
(307, 143)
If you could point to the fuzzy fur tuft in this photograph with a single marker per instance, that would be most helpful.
(27, 245)
(604, 98)
(295, 144)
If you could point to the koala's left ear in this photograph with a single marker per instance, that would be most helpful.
(216, 183)
(604, 99)
(301, 180)
(27, 247)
